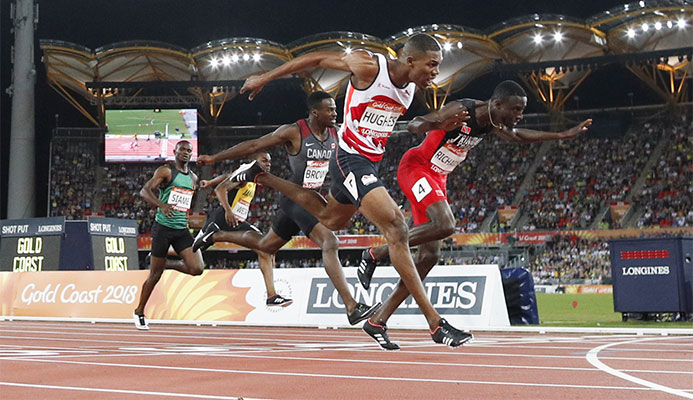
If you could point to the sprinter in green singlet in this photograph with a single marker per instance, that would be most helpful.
(176, 184)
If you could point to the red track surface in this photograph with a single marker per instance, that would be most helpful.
(42, 360)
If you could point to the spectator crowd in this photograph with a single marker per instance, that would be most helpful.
(571, 187)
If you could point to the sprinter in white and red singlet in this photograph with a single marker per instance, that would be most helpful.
(380, 90)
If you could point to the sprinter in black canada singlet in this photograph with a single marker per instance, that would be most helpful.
(310, 143)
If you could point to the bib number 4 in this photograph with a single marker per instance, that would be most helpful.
(421, 189)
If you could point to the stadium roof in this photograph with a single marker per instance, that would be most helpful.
(633, 28)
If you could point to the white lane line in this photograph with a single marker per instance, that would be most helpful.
(355, 377)
(593, 358)
(215, 333)
(139, 392)
(461, 353)
(240, 352)
(153, 335)
(159, 332)
(284, 332)
(435, 364)
(150, 342)
(367, 346)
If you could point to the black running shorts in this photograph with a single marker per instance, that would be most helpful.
(219, 216)
(163, 237)
(353, 176)
(291, 219)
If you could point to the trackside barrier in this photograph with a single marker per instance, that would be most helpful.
(468, 296)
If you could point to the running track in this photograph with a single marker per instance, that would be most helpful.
(52, 360)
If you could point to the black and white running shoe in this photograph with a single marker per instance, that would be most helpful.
(247, 172)
(361, 312)
(278, 300)
(140, 322)
(379, 334)
(366, 268)
(203, 240)
(450, 336)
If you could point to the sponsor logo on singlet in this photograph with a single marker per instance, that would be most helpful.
(180, 199)
(379, 118)
(453, 152)
(314, 175)
(240, 210)
(240, 205)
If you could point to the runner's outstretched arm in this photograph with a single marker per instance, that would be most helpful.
(360, 63)
(520, 135)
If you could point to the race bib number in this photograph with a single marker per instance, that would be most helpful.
(447, 158)
(180, 199)
(421, 189)
(315, 173)
(379, 118)
(240, 210)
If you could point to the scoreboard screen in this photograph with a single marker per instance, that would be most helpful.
(31, 244)
(114, 243)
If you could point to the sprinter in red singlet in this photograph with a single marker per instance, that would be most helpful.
(423, 171)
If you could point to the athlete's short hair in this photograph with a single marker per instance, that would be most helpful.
(507, 89)
(182, 142)
(315, 99)
(420, 43)
(257, 155)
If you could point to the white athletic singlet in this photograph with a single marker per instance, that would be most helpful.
(370, 114)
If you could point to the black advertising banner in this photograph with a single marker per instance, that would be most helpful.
(114, 243)
(31, 244)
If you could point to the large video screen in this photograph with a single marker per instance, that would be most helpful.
(148, 135)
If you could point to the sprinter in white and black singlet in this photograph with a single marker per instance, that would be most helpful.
(423, 171)
(310, 144)
(380, 90)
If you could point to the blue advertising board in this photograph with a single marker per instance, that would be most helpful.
(652, 275)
